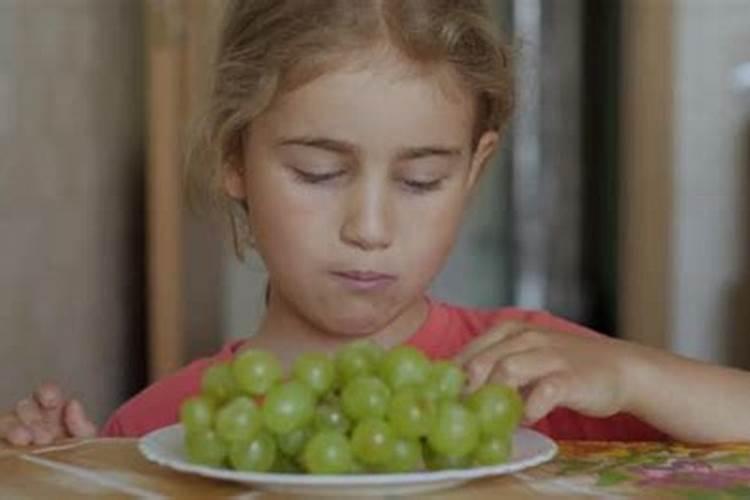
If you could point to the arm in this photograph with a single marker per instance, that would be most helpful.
(560, 365)
(692, 401)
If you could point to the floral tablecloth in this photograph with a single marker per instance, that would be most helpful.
(659, 470)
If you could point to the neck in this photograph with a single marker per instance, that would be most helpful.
(288, 333)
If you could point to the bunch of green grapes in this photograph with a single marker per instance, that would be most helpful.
(363, 410)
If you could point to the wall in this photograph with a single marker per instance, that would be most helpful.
(70, 194)
(711, 183)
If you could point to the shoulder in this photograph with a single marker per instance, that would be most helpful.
(158, 405)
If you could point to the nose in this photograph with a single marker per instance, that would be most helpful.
(368, 220)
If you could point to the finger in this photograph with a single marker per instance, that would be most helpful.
(28, 412)
(19, 436)
(48, 396)
(30, 415)
(495, 335)
(547, 394)
(482, 365)
(524, 368)
(76, 422)
(13, 431)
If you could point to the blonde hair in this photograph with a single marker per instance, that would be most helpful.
(267, 46)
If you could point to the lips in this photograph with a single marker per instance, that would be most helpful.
(364, 280)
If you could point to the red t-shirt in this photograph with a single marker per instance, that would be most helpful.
(443, 335)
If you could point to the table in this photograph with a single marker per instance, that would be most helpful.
(114, 468)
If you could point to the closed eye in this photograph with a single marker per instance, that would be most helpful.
(423, 186)
(311, 178)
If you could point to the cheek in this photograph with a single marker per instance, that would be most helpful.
(431, 231)
(284, 223)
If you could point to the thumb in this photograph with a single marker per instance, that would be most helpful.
(77, 423)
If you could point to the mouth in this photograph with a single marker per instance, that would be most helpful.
(364, 280)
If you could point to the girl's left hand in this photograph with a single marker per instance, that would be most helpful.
(586, 373)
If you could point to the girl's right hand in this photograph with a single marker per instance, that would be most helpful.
(45, 417)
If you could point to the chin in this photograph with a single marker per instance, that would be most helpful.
(357, 323)
(356, 327)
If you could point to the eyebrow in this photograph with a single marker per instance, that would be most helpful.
(327, 144)
(344, 147)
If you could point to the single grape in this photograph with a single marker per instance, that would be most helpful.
(493, 450)
(288, 407)
(410, 414)
(292, 443)
(218, 383)
(197, 412)
(404, 366)
(331, 416)
(445, 381)
(498, 408)
(436, 461)
(456, 430)
(204, 447)
(316, 371)
(405, 456)
(255, 455)
(238, 420)
(373, 351)
(365, 396)
(256, 371)
(372, 440)
(353, 361)
(328, 452)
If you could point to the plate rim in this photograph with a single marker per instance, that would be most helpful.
(147, 445)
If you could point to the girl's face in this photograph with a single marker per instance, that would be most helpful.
(355, 184)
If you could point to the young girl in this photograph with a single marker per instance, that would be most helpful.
(347, 140)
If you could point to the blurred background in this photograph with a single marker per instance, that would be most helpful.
(620, 199)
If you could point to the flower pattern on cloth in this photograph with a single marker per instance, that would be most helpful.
(658, 470)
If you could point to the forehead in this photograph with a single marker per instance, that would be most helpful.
(376, 100)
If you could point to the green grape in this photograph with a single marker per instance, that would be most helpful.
(358, 468)
(292, 443)
(436, 461)
(256, 455)
(331, 416)
(404, 366)
(353, 361)
(328, 452)
(372, 440)
(204, 447)
(373, 351)
(197, 412)
(365, 396)
(498, 408)
(218, 383)
(238, 420)
(288, 407)
(405, 456)
(410, 414)
(445, 381)
(256, 371)
(456, 430)
(285, 465)
(493, 450)
(316, 371)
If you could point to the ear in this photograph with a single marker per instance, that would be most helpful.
(234, 181)
(484, 150)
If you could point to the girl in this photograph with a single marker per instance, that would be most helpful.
(346, 139)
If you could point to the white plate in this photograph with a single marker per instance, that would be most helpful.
(165, 447)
